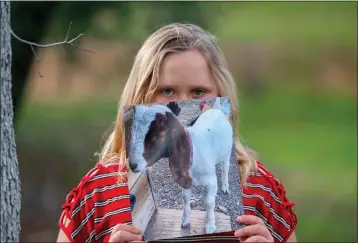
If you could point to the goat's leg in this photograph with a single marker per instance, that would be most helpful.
(185, 221)
(225, 175)
(210, 224)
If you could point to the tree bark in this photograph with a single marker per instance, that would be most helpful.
(10, 181)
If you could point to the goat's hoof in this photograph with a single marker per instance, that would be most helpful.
(210, 228)
(185, 224)
(225, 189)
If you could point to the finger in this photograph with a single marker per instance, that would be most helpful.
(242, 239)
(124, 227)
(250, 219)
(252, 230)
(256, 238)
(125, 236)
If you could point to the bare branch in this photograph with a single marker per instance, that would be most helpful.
(48, 45)
(68, 32)
(65, 42)
(37, 61)
(82, 48)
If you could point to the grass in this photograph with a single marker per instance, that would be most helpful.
(307, 140)
(310, 142)
(289, 22)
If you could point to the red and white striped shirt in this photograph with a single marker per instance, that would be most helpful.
(99, 202)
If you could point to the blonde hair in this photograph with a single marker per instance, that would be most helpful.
(142, 84)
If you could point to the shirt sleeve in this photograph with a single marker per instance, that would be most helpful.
(96, 206)
(112, 203)
(266, 198)
(77, 218)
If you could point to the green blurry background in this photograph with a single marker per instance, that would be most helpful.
(296, 69)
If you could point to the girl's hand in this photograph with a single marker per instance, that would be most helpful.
(255, 231)
(125, 233)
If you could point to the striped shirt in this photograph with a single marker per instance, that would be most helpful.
(99, 202)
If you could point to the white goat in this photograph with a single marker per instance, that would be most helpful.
(193, 151)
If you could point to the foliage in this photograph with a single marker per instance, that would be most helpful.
(288, 22)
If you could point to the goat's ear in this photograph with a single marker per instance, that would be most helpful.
(179, 153)
(174, 107)
(205, 108)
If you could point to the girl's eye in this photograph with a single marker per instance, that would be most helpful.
(198, 92)
(167, 91)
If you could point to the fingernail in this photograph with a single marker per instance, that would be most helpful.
(238, 218)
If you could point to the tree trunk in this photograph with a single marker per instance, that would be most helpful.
(10, 181)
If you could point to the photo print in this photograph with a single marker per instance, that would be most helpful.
(183, 171)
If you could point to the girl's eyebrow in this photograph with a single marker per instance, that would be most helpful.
(194, 86)
(166, 85)
(203, 87)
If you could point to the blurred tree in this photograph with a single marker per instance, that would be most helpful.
(133, 21)
(29, 20)
(10, 181)
(127, 21)
(81, 14)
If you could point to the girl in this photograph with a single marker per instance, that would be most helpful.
(177, 62)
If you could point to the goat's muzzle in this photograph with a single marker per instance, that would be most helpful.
(133, 166)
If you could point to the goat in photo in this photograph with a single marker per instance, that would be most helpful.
(155, 146)
(193, 151)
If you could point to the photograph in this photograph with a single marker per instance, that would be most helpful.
(184, 176)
